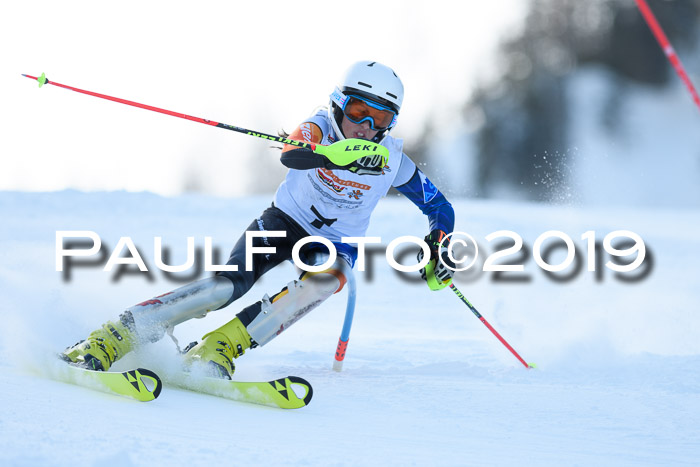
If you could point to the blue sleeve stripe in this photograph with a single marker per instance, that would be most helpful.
(430, 201)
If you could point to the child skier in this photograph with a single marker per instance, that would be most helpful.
(318, 197)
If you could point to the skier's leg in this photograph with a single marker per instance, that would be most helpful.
(262, 321)
(149, 320)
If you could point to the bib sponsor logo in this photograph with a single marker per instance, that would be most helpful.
(342, 182)
(338, 185)
(355, 194)
(327, 181)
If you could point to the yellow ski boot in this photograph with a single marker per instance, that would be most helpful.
(219, 347)
(102, 347)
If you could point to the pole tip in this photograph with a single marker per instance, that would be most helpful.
(41, 79)
(531, 366)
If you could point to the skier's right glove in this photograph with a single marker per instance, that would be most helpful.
(440, 269)
(368, 165)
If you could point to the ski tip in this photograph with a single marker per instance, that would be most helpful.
(305, 385)
(151, 382)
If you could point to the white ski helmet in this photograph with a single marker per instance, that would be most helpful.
(369, 81)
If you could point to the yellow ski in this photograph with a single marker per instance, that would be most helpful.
(140, 384)
(277, 393)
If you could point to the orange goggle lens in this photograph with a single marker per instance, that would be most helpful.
(358, 110)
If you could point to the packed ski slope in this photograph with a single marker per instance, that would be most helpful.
(424, 382)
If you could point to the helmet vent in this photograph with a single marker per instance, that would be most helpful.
(392, 95)
(365, 84)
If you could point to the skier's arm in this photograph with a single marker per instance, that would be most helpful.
(420, 190)
(303, 159)
(298, 158)
(441, 217)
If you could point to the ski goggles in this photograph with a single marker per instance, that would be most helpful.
(359, 110)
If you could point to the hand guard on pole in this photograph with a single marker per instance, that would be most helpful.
(440, 269)
(356, 155)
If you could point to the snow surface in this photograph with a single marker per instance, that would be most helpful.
(424, 382)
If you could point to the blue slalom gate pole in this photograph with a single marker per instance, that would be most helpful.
(347, 324)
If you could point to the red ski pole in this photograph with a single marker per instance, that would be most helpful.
(667, 47)
(314, 147)
(486, 323)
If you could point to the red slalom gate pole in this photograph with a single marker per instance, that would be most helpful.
(667, 47)
(486, 323)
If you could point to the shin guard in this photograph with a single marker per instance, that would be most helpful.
(276, 314)
(152, 318)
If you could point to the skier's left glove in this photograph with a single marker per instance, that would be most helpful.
(440, 269)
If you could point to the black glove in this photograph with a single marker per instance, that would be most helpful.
(437, 273)
(368, 165)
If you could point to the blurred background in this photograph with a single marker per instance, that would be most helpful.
(558, 101)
